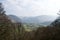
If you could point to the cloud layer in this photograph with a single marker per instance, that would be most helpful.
(31, 7)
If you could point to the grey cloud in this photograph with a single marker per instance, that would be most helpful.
(30, 7)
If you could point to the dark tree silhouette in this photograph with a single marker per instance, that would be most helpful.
(1, 9)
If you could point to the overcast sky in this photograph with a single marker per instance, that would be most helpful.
(31, 7)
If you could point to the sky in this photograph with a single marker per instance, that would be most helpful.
(27, 8)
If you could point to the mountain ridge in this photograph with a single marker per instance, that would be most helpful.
(43, 19)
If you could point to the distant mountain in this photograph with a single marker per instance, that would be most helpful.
(44, 19)
(46, 23)
(14, 18)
